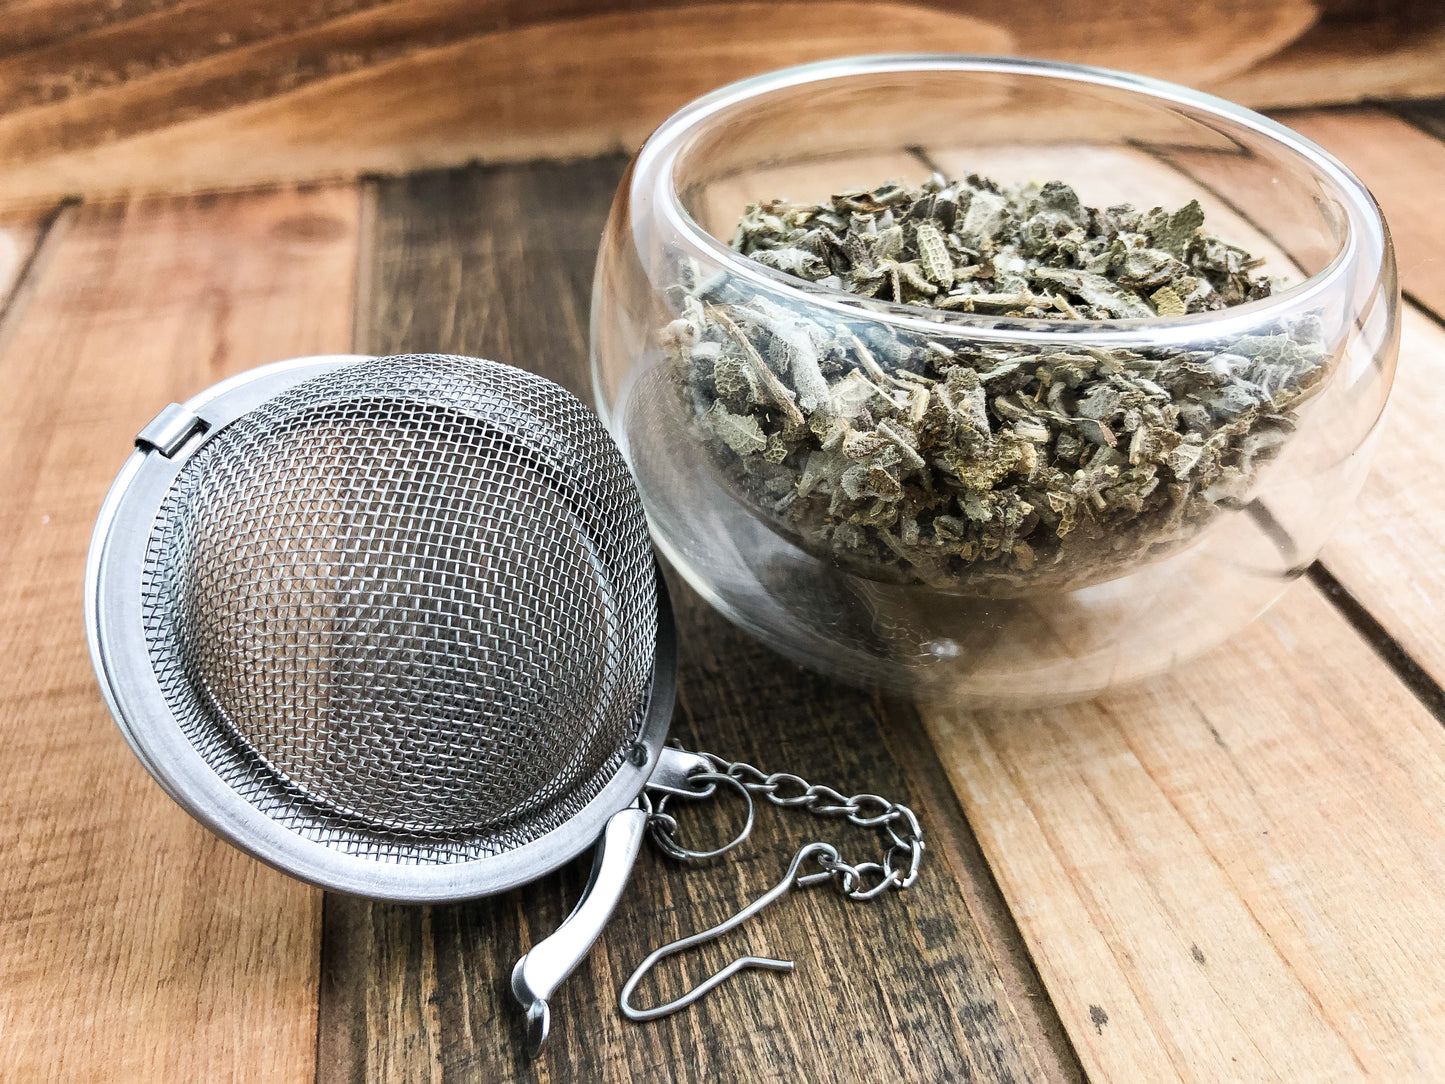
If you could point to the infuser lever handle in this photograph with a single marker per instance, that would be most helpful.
(538, 974)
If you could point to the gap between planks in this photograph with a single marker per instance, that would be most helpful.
(24, 247)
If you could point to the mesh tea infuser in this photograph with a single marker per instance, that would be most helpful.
(394, 626)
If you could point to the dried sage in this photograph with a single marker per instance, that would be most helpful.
(951, 460)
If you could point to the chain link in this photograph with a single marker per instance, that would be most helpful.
(864, 881)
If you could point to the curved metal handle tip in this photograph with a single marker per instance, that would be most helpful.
(740, 964)
(541, 971)
(539, 1023)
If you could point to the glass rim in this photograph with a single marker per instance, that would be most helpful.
(657, 160)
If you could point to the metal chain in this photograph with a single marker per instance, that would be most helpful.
(898, 870)
(864, 881)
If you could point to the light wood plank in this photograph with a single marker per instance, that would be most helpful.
(1349, 60)
(1387, 555)
(134, 945)
(1405, 169)
(1236, 873)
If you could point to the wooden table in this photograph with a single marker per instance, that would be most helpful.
(1233, 873)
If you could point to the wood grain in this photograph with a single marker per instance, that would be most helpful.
(108, 96)
(134, 945)
(1387, 554)
(569, 86)
(1230, 873)
(1237, 873)
(1347, 61)
(150, 94)
(282, 46)
(210, 59)
(497, 262)
(1403, 166)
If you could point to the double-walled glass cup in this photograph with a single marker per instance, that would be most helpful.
(1092, 598)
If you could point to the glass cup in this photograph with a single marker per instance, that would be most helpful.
(1276, 424)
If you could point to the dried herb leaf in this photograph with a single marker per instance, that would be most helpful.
(953, 461)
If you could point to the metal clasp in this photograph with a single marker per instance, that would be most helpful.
(169, 430)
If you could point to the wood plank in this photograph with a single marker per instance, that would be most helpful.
(105, 96)
(136, 29)
(1387, 554)
(1348, 60)
(1234, 873)
(1405, 169)
(133, 944)
(915, 986)
(507, 88)
(207, 94)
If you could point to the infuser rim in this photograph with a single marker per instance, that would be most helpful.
(120, 654)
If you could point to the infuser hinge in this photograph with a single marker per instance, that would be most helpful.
(169, 430)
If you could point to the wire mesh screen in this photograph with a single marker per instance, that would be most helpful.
(408, 608)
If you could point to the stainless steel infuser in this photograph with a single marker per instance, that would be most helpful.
(394, 626)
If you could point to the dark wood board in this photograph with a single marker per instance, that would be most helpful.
(929, 985)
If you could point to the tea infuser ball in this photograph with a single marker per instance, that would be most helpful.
(394, 626)
(391, 626)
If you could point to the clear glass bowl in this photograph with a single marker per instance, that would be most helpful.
(933, 604)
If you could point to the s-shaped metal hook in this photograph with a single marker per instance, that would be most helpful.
(791, 879)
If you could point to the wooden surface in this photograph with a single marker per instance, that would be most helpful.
(1258, 800)
(1216, 870)
(1393, 540)
(109, 96)
(1233, 873)
(463, 262)
(133, 944)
